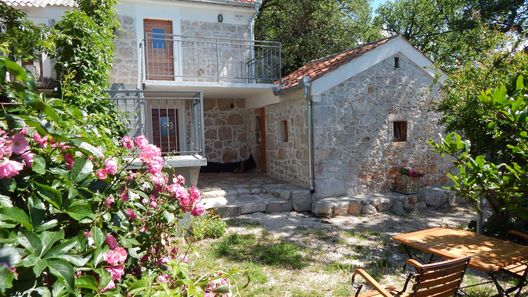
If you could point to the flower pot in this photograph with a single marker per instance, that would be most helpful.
(407, 185)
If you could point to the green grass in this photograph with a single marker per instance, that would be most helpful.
(246, 248)
(236, 222)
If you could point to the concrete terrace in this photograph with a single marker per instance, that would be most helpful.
(234, 194)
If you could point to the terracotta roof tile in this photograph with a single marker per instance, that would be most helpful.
(41, 3)
(317, 68)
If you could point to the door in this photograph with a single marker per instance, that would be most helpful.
(261, 139)
(165, 129)
(159, 47)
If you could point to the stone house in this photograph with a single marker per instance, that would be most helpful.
(190, 76)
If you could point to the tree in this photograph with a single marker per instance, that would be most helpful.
(455, 32)
(311, 29)
(500, 177)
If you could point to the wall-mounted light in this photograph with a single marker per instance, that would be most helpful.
(220, 18)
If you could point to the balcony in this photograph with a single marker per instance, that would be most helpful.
(183, 59)
(171, 120)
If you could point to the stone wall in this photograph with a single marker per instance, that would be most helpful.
(287, 161)
(125, 69)
(200, 57)
(355, 152)
(226, 129)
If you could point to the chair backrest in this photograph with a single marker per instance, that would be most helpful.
(439, 279)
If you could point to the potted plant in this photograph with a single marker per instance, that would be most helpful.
(409, 181)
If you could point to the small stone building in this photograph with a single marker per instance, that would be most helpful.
(345, 124)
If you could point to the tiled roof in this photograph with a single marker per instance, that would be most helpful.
(317, 68)
(40, 3)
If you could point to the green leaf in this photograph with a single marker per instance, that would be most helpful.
(80, 210)
(6, 278)
(76, 260)
(81, 169)
(98, 236)
(5, 201)
(520, 84)
(48, 239)
(16, 215)
(9, 255)
(47, 225)
(62, 270)
(30, 241)
(39, 267)
(51, 195)
(87, 282)
(62, 248)
(39, 165)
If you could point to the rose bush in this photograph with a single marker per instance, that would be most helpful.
(75, 220)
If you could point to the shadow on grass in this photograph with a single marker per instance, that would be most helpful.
(247, 248)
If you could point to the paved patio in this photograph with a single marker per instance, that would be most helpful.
(234, 194)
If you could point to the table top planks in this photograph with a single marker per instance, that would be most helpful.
(487, 253)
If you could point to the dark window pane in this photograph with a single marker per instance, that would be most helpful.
(158, 38)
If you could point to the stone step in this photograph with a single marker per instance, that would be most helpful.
(399, 204)
(245, 204)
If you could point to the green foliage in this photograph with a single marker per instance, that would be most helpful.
(462, 110)
(23, 40)
(62, 219)
(208, 226)
(451, 33)
(499, 176)
(313, 29)
(85, 50)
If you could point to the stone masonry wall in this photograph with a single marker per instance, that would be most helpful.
(287, 161)
(200, 57)
(125, 65)
(225, 123)
(355, 152)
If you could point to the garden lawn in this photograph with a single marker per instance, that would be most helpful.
(293, 254)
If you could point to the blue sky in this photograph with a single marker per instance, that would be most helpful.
(376, 3)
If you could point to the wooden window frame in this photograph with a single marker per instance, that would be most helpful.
(399, 131)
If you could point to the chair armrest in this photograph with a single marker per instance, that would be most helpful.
(372, 282)
(414, 263)
(519, 234)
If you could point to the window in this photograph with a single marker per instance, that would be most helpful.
(396, 62)
(399, 131)
(283, 131)
(164, 126)
(158, 38)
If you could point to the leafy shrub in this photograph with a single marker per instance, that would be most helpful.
(74, 220)
(208, 226)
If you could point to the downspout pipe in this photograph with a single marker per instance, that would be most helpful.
(306, 83)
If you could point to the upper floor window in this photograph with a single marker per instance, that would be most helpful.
(158, 38)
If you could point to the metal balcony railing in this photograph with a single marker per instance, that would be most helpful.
(171, 120)
(203, 59)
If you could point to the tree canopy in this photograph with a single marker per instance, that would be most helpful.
(311, 29)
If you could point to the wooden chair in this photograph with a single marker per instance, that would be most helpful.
(439, 279)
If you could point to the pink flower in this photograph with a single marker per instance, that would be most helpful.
(28, 158)
(41, 141)
(141, 141)
(131, 214)
(101, 174)
(116, 256)
(10, 168)
(124, 195)
(131, 175)
(158, 179)
(127, 142)
(149, 152)
(198, 209)
(116, 271)
(194, 194)
(64, 146)
(153, 204)
(163, 278)
(87, 234)
(20, 144)
(68, 158)
(109, 286)
(111, 166)
(6, 148)
(109, 201)
(183, 258)
(155, 165)
(179, 180)
(111, 241)
(213, 285)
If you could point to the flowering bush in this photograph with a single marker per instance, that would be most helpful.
(74, 220)
(411, 172)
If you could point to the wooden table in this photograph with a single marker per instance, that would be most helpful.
(488, 254)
